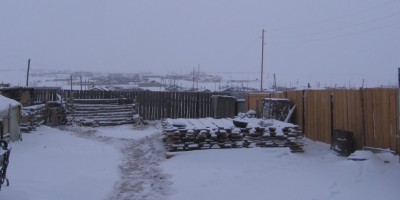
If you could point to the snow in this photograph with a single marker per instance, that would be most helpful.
(5, 104)
(127, 132)
(126, 162)
(53, 164)
(275, 173)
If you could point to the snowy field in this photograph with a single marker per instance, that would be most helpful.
(129, 163)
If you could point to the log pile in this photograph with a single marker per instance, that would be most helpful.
(277, 108)
(32, 117)
(209, 133)
(101, 112)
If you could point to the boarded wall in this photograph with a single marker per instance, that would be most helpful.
(381, 118)
(371, 114)
(254, 102)
(152, 105)
(317, 115)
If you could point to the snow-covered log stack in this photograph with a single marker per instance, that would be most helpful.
(101, 112)
(32, 117)
(209, 133)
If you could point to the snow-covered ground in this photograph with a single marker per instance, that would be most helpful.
(268, 173)
(54, 164)
(129, 163)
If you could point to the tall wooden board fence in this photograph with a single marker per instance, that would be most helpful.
(370, 114)
(381, 118)
(152, 105)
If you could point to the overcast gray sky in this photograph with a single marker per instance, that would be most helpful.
(320, 40)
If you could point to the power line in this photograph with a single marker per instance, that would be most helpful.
(341, 35)
(348, 26)
(14, 58)
(303, 26)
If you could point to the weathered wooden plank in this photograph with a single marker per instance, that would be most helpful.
(383, 118)
(169, 104)
(153, 104)
(173, 107)
(307, 125)
(340, 113)
(356, 120)
(392, 119)
(145, 111)
(203, 105)
(188, 103)
(295, 97)
(149, 99)
(177, 105)
(376, 119)
(186, 111)
(162, 105)
(161, 102)
(369, 121)
(194, 101)
(315, 106)
(150, 105)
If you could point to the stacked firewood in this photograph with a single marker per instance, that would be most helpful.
(181, 137)
(32, 117)
(102, 112)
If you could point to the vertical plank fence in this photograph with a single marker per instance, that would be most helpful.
(152, 105)
(370, 114)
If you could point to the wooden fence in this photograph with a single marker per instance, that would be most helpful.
(152, 105)
(371, 114)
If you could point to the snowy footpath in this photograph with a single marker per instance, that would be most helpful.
(87, 164)
(121, 163)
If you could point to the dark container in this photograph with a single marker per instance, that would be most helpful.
(342, 142)
(240, 123)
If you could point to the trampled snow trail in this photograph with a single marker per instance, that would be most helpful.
(141, 177)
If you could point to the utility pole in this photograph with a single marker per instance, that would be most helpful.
(81, 82)
(27, 73)
(262, 59)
